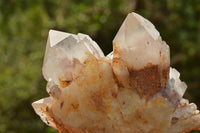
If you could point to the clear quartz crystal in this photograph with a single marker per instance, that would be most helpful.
(131, 90)
(138, 42)
(140, 53)
(60, 59)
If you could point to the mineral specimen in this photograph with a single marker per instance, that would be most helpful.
(132, 90)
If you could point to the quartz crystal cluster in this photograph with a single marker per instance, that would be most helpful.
(131, 90)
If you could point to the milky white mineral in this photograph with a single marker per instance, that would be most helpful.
(132, 90)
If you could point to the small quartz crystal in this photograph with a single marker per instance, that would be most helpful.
(131, 90)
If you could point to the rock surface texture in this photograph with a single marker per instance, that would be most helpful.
(131, 90)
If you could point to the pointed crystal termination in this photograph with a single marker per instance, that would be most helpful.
(63, 60)
(140, 58)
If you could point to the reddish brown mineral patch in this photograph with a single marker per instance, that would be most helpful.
(75, 106)
(61, 104)
(146, 81)
(64, 83)
(114, 94)
(165, 75)
(174, 120)
(97, 100)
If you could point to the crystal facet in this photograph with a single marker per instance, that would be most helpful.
(63, 62)
(131, 90)
(143, 56)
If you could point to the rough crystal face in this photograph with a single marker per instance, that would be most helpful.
(143, 56)
(131, 90)
(62, 62)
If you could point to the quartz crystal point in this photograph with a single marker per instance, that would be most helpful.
(140, 56)
(131, 90)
